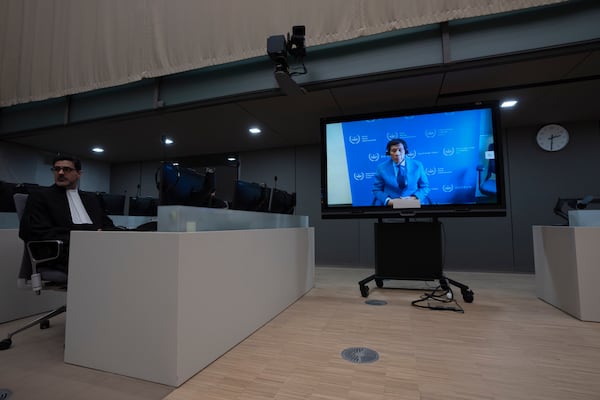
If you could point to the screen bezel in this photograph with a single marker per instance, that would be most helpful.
(497, 208)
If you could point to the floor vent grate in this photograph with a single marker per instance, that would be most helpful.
(376, 302)
(360, 355)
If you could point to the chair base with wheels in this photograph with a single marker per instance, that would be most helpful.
(44, 322)
(40, 270)
(42, 278)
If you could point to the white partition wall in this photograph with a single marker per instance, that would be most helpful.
(584, 217)
(161, 306)
(192, 219)
(567, 269)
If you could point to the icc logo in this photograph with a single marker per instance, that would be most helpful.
(373, 157)
(412, 154)
(448, 151)
(391, 135)
(354, 139)
(431, 133)
(359, 176)
(448, 188)
(430, 171)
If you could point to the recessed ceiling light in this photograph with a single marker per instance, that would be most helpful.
(508, 103)
(231, 159)
(98, 150)
(254, 130)
(169, 141)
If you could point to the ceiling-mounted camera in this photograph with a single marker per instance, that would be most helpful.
(295, 43)
(278, 48)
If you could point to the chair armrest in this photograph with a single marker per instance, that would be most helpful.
(44, 250)
(41, 251)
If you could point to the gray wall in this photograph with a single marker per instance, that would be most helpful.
(19, 164)
(537, 178)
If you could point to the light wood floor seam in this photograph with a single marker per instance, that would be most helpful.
(507, 345)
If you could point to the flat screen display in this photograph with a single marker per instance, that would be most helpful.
(282, 202)
(143, 206)
(114, 204)
(251, 196)
(435, 162)
(182, 186)
(7, 191)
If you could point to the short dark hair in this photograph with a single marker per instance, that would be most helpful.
(395, 142)
(65, 157)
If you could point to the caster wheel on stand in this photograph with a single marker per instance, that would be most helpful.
(364, 291)
(467, 295)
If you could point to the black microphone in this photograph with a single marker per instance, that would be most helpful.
(275, 185)
(581, 204)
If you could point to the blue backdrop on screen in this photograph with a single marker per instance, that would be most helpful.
(450, 146)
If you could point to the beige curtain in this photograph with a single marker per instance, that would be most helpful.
(52, 48)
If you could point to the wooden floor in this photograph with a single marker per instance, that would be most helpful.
(507, 344)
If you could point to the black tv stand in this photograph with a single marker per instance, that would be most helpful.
(410, 251)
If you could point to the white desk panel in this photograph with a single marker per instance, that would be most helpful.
(161, 306)
(567, 269)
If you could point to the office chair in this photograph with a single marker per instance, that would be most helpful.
(487, 185)
(36, 274)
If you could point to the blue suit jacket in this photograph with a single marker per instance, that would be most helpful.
(386, 185)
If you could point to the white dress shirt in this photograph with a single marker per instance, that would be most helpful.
(79, 214)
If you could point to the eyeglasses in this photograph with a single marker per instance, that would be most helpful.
(66, 170)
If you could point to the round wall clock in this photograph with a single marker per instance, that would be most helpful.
(552, 137)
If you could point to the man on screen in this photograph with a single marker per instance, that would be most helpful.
(399, 177)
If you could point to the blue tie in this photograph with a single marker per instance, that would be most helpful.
(401, 177)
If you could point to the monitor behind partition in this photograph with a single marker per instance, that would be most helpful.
(282, 202)
(251, 196)
(143, 206)
(8, 190)
(113, 204)
(183, 186)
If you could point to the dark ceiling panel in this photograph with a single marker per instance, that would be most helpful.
(294, 119)
(401, 93)
(560, 88)
(510, 75)
(589, 65)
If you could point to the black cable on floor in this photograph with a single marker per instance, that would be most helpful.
(440, 296)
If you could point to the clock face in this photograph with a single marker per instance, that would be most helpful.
(552, 137)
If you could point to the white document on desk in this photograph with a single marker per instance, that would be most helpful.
(406, 203)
